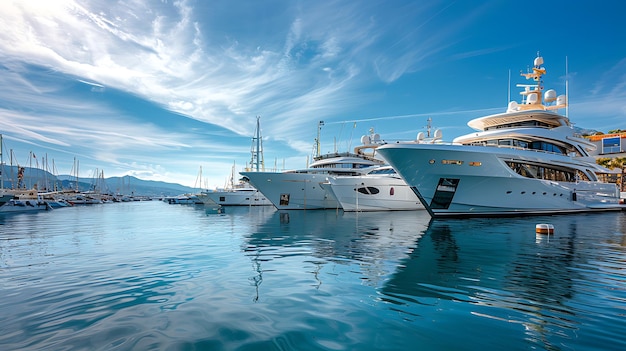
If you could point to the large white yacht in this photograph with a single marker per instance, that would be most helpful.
(380, 189)
(302, 189)
(528, 160)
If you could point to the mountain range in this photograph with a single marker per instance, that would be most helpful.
(126, 185)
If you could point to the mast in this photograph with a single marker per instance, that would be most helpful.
(317, 140)
(257, 162)
(76, 170)
(1, 165)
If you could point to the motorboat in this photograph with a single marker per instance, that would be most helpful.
(380, 189)
(302, 188)
(527, 160)
(242, 194)
(24, 201)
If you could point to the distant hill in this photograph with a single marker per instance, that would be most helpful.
(126, 185)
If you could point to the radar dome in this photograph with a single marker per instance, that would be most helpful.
(420, 136)
(532, 99)
(513, 106)
(550, 95)
(561, 100)
(365, 140)
(538, 61)
(376, 137)
(437, 134)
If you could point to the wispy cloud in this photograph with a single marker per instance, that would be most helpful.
(215, 65)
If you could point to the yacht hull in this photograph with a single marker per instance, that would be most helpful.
(374, 193)
(293, 191)
(239, 197)
(462, 181)
(24, 206)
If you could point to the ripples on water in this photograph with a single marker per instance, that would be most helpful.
(148, 275)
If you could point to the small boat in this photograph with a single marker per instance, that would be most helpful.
(243, 194)
(84, 199)
(185, 199)
(55, 199)
(24, 201)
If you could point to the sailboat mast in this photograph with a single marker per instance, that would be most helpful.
(1, 165)
(258, 142)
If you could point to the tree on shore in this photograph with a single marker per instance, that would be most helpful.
(615, 163)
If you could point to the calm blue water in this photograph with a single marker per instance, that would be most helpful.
(153, 276)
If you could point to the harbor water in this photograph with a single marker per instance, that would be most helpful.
(153, 276)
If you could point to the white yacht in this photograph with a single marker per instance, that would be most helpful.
(302, 189)
(528, 160)
(243, 193)
(380, 189)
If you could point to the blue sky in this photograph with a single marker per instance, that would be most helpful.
(158, 89)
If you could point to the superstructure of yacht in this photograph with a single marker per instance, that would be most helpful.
(302, 189)
(528, 160)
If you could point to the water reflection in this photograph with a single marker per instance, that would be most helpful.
(509, 273)
(372, 241)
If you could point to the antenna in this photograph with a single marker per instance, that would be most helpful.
(566, 89)
(509, 88)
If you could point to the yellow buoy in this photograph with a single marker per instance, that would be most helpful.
(544, 228)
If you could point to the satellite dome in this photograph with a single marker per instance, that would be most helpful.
(550, 95)
(437, 134)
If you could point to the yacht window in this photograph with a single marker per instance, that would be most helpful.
(452, 162)
(370, 190)
(546, 172)
(541, 145)
(384, 171)
(521, 144)
(584, 176)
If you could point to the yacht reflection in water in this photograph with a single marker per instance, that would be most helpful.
(374, 242)
(500, 269)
